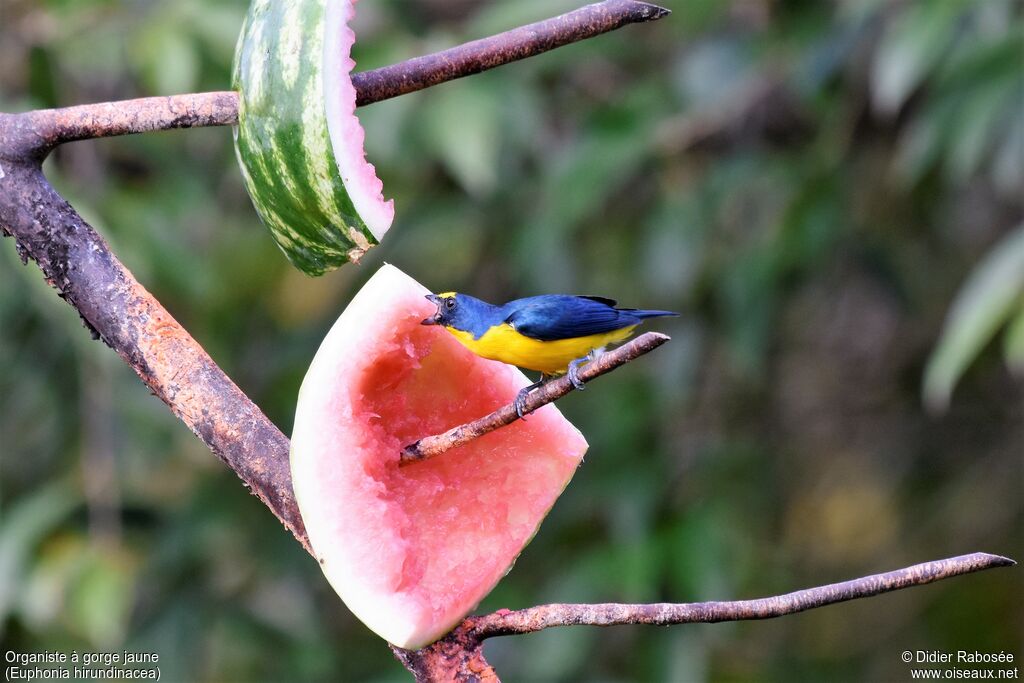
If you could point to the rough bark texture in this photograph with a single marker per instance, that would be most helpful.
(43, 130)
(117, 309)
(457, 657)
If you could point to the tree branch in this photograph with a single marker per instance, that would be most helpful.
(510, 46)
(117, 308)
(45, 129)
(505, 622)
(459, 655)
(430, 446)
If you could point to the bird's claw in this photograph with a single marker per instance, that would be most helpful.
(574, 373)
(520, 402)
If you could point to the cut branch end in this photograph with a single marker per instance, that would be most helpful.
(649, 12)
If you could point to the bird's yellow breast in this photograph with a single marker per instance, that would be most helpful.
(503, 343)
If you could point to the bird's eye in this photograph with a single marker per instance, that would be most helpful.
(450, 302)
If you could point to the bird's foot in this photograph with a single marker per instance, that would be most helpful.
(574, 368)
(520, 401)
(573, 373)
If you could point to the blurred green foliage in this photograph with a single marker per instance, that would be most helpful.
(810, 183)
(992, 298)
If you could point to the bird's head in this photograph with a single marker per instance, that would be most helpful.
(448, 309)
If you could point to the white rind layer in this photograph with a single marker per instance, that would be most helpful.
(365, 189)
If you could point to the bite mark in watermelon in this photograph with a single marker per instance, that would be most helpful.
(412, 550)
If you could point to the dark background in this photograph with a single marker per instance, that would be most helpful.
(810, 183)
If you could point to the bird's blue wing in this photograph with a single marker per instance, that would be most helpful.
(598, 299)
(553, 317)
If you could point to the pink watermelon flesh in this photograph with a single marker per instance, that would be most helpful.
(413, 550)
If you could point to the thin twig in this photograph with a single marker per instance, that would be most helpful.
(510, 46)
(505, 622)
(430, 446)
(51, 127)
(459, 655)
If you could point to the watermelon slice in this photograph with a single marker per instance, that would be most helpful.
(412, 550)
(298, 141)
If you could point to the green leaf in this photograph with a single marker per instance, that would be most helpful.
(169, 59)
(25, 524)
(1008, 167)
(100, 599)
(978, 126)
(1013, 345)
(910, 50)
(463, 125)
(981, 307)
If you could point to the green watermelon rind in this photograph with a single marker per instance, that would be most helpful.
(298, 143)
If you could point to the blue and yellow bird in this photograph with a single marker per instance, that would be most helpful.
(552, 334)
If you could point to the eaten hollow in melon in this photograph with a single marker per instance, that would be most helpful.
(412, 550)
(298, 141)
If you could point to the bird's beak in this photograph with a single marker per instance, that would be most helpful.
(435, 319)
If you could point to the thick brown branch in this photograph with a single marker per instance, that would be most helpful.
(450, 660)
(47, 128)
(505, 622)
(40, 131)
(79, 264)
(430, 446)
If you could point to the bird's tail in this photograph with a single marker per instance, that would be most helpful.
(639, 313)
